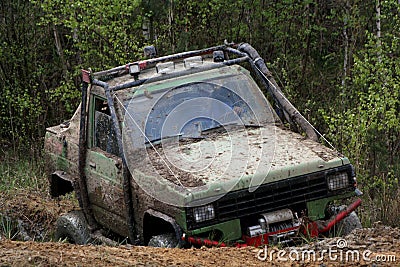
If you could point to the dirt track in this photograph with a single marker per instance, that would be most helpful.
(38, 213)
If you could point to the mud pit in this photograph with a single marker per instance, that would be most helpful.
(38, 214)
(378, 240)
(31, 216)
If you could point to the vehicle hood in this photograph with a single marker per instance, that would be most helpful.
(238, 158)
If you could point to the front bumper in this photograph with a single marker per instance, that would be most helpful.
(306, 228)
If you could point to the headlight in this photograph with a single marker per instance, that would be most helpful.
(338, 181)
(203, 213)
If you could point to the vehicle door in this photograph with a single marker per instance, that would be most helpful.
(104, 168)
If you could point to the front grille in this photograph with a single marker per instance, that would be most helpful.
(273, 196)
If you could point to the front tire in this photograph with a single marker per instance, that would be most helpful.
(348, 224)
(163, 241)
(73, 227)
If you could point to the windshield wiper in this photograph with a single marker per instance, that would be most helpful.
(163, 138)
(180, 137)
(229, 125)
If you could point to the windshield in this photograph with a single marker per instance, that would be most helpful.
(190, 105)
(164, 116)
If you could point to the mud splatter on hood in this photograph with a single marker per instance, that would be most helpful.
(239, 153)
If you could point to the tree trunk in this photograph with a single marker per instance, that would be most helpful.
(378, 28)
(60, 51)
(170, 22)
(346, 45)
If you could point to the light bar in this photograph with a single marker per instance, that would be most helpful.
(134, 69)
(193, 62)
(165, 68)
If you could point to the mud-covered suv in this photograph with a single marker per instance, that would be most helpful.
(186, 149)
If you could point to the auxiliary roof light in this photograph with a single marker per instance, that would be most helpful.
(134, 69)
(166, 67)
(193, 62)
(218, 56)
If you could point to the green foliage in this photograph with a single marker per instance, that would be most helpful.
(382, 201)
(370, 108)
(97, 34)
(100, 34)
(23, 71)
(7, 228)
(42, 52)
(364, 121)
(21, 172)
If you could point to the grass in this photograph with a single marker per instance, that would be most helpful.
(19, 172)
(7, 228)
(383, 206)
(22, 172)
(24, 192)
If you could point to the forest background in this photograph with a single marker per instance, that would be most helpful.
(338, 61)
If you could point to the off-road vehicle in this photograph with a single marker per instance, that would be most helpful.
(196, 148)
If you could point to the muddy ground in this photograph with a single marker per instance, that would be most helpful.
(35, 215)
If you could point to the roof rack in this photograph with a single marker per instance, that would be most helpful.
(152, 62)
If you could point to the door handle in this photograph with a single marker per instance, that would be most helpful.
(92, 164)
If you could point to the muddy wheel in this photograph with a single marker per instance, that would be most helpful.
(73, 227)
(348, 224)
(163, 241)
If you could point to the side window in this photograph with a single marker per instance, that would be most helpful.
(104, 134)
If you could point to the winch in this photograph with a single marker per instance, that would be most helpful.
(277, 226)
